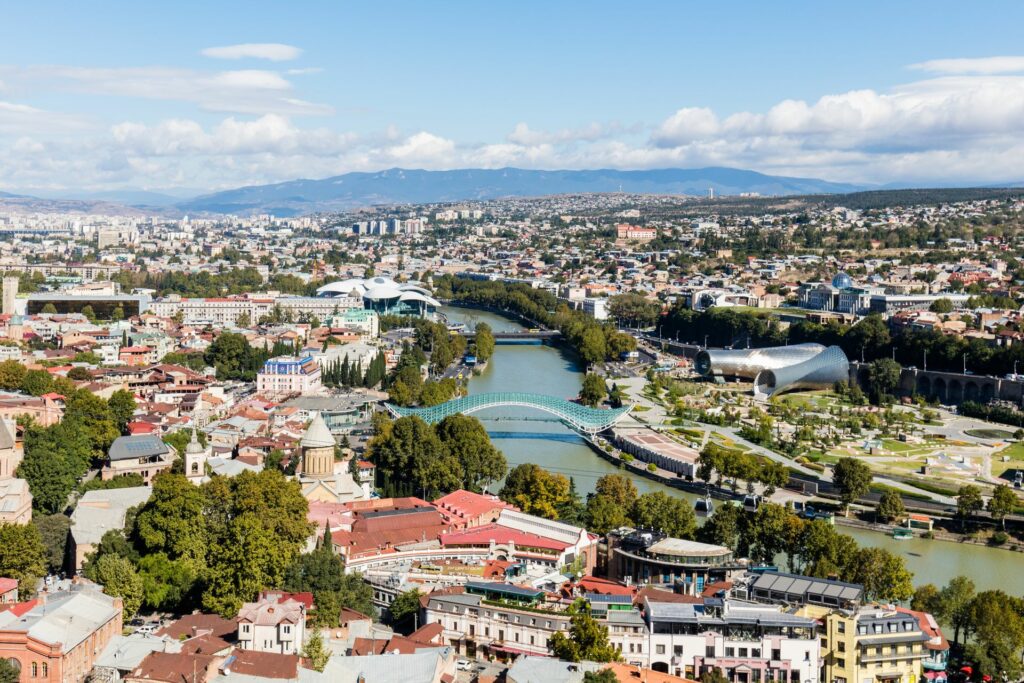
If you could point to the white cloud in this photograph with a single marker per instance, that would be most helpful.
(243, 91)
(978, 65)
(275, 52)
(967, 127)
(22, 118)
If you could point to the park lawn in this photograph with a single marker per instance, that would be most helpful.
(1016, 461)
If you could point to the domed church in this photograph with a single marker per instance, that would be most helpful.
(323, 478)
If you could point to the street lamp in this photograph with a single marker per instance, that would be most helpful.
(926, 359)
(965, 363)
(705, 342)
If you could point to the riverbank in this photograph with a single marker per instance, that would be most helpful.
(528, 439)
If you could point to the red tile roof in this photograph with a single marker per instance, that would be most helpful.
(501, 534)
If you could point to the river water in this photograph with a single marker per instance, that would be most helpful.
(541, 440)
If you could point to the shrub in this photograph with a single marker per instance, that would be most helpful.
(999, 538)
(651, 467)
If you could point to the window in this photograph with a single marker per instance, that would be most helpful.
(841, 626)
(677, 650)
(730, 652)
(841, 663)
(709, 650)
(743, 652)
(531, 640)
(777, 654)
(287, 629)
(755, 652)
(245, 628)
(35, 669)
(46, 669)
(659, 649)
(841, 646)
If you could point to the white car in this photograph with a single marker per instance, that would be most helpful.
(463, 665)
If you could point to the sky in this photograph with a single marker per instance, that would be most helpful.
(190, 97)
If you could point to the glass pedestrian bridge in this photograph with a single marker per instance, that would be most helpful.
(579, 417)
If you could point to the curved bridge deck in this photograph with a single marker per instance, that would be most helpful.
(579, 417)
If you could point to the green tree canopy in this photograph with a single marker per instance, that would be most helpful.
(586, 639)
(594, 390)
(23, 556)
(853, 479)
(120, 579)
(669, 514)
(536, 491)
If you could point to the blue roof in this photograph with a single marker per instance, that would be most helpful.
(504, 588)
(141, 446)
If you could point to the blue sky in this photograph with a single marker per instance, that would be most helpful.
(217, 94)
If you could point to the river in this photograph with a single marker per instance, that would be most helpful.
(554, 371)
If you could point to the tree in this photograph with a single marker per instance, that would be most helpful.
(883, 377)
(602, 676)
(466, 439)
(174, 519)
(773, 475)
(619, 488)
(968, 502)
(240, 565)
(122, 408)
(883, 575)
(22, 556)
(586, 639)
(89, 313)
(79, 374)
(941, 305)
(713, 675)
(37, 382)
(119, 579)
(1002, 503)
(594, 389)
(89, 414)
(535, 491)
(9, 673)
(55, 457)
(592, 345)
(405, 607)
(998, 631)
(117, 314)
(669, 514)
(853, 479)
(956, 598)
(232, 356)
(722, 528)
(927, 598)
(12, 375)
(890, 506)
(767, 532)
(633, 310)
(167, 584)
(603, 514)
(53, 532)
(411, 450)
(484, 341)
(316, 652)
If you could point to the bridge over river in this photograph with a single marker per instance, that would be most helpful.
(579, 417)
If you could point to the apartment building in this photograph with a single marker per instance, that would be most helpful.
(289, 375)
(748, 642)
(873, 644)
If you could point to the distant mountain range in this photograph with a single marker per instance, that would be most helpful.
(405, 186)
(414, 186)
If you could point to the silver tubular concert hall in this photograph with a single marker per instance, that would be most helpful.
(778, 368)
